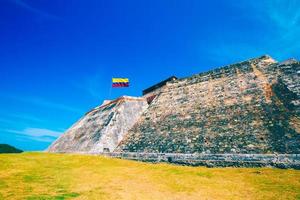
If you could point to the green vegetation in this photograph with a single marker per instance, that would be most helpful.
(5, 148)
(35, 176)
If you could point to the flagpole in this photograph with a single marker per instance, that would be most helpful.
(110, 86)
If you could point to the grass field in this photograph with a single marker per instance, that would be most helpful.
(62, 176)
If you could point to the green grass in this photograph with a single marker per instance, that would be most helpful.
(36, 176)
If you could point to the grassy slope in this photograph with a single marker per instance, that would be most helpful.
(54, 176)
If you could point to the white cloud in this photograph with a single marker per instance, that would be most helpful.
(280, 14)
(279, 34)
(34, 10)
(42, 102)
(49, 104)
(283, 14)
(39, 134)
(282, 18)
(25, 117)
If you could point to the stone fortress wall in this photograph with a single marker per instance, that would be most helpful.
(245, 114)
(102, 128)
(283, 161)
(249, 107)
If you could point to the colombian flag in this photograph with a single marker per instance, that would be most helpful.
(120, 82)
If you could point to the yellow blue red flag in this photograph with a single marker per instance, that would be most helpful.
(120, 82)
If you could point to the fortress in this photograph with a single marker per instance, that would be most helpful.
(246, 113)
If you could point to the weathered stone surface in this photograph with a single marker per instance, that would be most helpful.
(216, 160)
(245, 114)
(250, 107)
(102, 128)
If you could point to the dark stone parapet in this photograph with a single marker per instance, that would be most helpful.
(215, 160)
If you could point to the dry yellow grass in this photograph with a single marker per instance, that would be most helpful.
(61, 176)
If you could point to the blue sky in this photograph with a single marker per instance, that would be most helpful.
(57, 57)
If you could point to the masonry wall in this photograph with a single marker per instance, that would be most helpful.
(215, 160)
(250, 107)
(102, 128)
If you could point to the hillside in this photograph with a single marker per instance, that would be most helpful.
(67, 176)
(5, 148)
